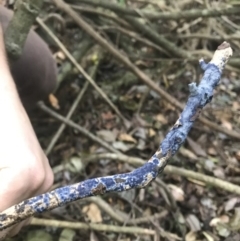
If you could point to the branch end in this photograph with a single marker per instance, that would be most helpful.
(222, 55)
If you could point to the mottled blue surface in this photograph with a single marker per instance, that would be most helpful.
(115, 183)
(199, 96)
(39, 203)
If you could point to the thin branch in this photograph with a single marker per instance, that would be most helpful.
(74, 106)
(20, 25)
(140, 74)
(68, 117)
(135, 36)
(154, 37)
(211, 181)
(92, 226)
(206, 36)
(177, 15)
(101, 13)
(146, 219)
(81, 129)
(81, 49)
(115, 216)
(199, 96)
(82, 71)
(158, 39)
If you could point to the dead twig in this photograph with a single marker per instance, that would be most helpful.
(81, 129)
(82, 71)
(74, 105)
(114, 215)
(145, 29)
(92, 226)
(111, 16)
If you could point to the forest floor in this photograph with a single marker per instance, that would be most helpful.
(133, 118)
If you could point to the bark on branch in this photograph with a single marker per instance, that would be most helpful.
(199, 96)
(25, 14)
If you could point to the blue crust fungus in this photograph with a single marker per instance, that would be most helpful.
(199, 96)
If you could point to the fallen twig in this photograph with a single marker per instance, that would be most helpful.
(188, 14)
(115, 216)
(139, 178)
(156, 38)
(73, 107)
(68, 117)
(81, 129)
(82, 71)
(81, 49)
(92, 226)
(101, 13)
(135, 36)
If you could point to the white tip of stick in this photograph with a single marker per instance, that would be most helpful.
(222, 55)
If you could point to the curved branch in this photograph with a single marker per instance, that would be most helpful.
(169, 169)
(199, 96)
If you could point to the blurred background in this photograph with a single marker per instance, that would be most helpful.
(140, 57)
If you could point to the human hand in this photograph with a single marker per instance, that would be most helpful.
(24, 168)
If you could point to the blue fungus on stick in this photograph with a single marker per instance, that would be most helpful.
(199, 96)
(193, 89)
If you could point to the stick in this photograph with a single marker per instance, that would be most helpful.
(151, 15)
(139, 178)
(82, 71)
(16, 34)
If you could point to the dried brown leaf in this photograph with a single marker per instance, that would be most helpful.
(107, 135)
(108, 116)
(217, 220)
(226, 124)
(191, 236)
(161, 118)
(151, 132)
(208, 236)
(230, 204)
(238, 155)
(126, 137)
(177, 192)
(54, 101)
(193, 223)
(93, 213)
(212, 151)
